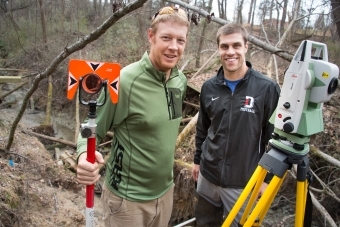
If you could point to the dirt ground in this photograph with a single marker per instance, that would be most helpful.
(35, 190)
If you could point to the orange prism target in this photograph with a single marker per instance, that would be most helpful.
(106, 71)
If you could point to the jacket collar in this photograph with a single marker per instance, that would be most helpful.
(220, 73)
(150, 70)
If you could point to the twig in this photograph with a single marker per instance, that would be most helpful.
(323, 211)
(191, 104)
(203, 66)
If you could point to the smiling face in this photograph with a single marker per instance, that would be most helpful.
(232, 50)
(167, 44)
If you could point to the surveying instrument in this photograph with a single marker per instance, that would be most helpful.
(92, 77)
(309, 81)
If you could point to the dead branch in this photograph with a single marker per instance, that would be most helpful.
(273, 50)
(323, 211)
(324, 156)
(69, 143)
(191, 104)
(15, 89)
(94, 35)
(203, 66)
(325, 189)
(186, 131)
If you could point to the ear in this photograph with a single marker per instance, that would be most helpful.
(246, 46)
(151, 35)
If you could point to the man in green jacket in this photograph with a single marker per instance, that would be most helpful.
(138, 188)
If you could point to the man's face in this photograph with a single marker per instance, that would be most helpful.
(167, 45)
(232, 51)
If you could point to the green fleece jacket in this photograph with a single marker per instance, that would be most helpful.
(145, 122)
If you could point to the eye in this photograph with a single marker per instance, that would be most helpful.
(181, 41)
(224, 47)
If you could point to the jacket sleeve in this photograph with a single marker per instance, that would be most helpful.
(203, 124)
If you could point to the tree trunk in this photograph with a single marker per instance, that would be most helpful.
(250, 11)
(271, 15)
(284, 14)
(47, 121)
(252, 17)
(222, 8)
(239, 12)
(43, 23)
(295, 13)
(277, 20)
(200, 44)
(49, 102)
(336, 14)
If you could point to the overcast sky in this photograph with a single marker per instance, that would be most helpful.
(232, 4)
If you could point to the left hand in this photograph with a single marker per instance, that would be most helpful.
(262, 189)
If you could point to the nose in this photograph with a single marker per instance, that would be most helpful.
(173, 45)
(230, 51)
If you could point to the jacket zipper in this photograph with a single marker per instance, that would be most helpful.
(229, 125)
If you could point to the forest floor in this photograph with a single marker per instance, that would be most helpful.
(36, 191)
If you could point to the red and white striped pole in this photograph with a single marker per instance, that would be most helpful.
(88, 130)
(91, 148)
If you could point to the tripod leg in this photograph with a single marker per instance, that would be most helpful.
(243, 197)
(267, 196)
(300, 206)
(254, 196)
(269, 202)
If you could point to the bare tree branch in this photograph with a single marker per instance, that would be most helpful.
(94, 35)
(273, 50)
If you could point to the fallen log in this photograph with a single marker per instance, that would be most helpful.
(15, 89)
(66, 142)
(184, 133)
(69, 143)
(324, 156)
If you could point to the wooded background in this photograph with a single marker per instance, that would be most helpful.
(39, 37)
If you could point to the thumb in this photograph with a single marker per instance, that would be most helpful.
(99, 157)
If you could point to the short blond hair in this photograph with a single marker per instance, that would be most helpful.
(169, 13)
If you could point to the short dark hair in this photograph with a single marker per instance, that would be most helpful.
(229, 29)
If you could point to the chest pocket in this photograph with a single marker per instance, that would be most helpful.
(175, 102)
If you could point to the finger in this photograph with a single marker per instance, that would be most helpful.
(84, 173)
(99, 158)
(88, 180)
(87, 166)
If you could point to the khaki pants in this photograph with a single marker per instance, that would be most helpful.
(120, 212)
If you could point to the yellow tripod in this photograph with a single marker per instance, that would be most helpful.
(276, 162)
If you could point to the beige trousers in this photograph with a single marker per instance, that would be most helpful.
(120, 212)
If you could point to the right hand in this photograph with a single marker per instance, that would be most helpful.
(88, 173)
(195, 171)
